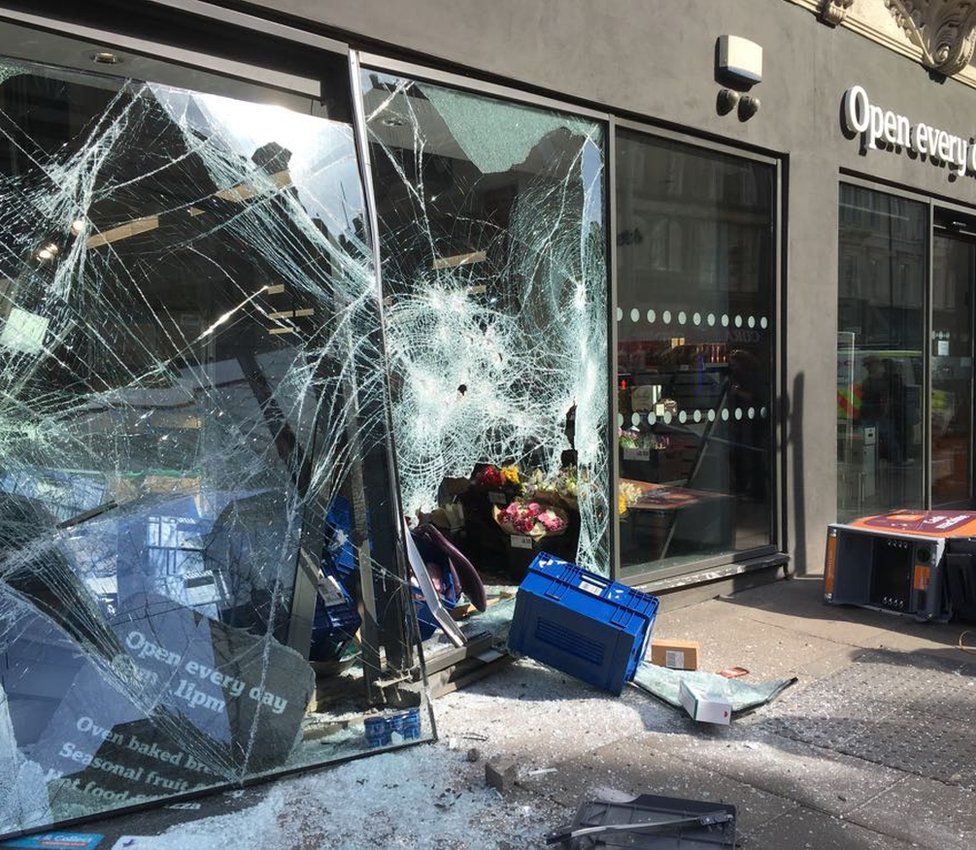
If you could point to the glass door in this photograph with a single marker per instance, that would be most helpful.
(953, 264)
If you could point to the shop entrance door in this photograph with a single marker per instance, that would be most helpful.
(951, 393)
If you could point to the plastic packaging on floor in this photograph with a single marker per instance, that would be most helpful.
(665, 684)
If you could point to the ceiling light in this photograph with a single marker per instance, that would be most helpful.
(106, 57)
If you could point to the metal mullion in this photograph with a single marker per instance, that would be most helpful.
(696, 569)
(778, 415)
(365, 166)
(927, 363)
(612, 342)
(244, 20)
(875, 184)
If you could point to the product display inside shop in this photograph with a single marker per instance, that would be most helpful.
(195, 492)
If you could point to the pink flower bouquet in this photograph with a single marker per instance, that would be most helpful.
(531, 518)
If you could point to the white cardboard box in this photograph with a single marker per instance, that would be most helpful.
(703, 706)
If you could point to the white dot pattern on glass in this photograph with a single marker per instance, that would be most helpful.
(762, 412)
(751, 413)
(651, 418)
(725, 320)
(711, 415)
(620, 313)
(635, 315)
(751, 321)
(725, 415)
(682, 417)
(635, 419)
(696, 416)
(667, 418)
(738, 321)
(710, 319)
(620, 420)
(682, 317)
(666, 317)
(763, 323)
(696, 319)
(651, 316)
(738, 413)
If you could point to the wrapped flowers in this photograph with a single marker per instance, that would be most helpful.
(531, 518)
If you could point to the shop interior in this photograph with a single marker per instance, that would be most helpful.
(905, 412)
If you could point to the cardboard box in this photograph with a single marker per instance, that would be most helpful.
(703, 706)
(676, 654)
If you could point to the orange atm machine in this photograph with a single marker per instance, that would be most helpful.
(919, 563)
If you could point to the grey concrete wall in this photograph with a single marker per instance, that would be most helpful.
(657, 60)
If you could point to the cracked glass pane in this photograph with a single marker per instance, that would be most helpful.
(192, 427)
(492, 235)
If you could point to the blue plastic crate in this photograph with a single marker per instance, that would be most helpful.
(581, 623)
(336, 622)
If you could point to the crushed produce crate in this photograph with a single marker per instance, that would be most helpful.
(581, 623)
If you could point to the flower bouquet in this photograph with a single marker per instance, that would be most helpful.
(531, 518)
(560, 490)
(493, 477)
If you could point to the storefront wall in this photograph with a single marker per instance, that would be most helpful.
(659, 64)
(621, 81)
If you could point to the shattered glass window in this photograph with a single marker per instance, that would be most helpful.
(492, 234)
(193, 447)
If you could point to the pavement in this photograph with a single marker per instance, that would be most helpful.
(873, 747)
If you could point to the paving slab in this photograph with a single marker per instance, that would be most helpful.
(908, 712)
(634, 765)
(810, 830)
(810, 776)
(923, 811)
(798, 605)
(767, 650)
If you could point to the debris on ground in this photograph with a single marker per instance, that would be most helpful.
(648, 822)
(703, 705)
(675, 654)
(742, 696)
(733, 672)
(501, 775)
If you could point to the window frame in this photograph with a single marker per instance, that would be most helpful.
(728, 563)
(932, 203)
